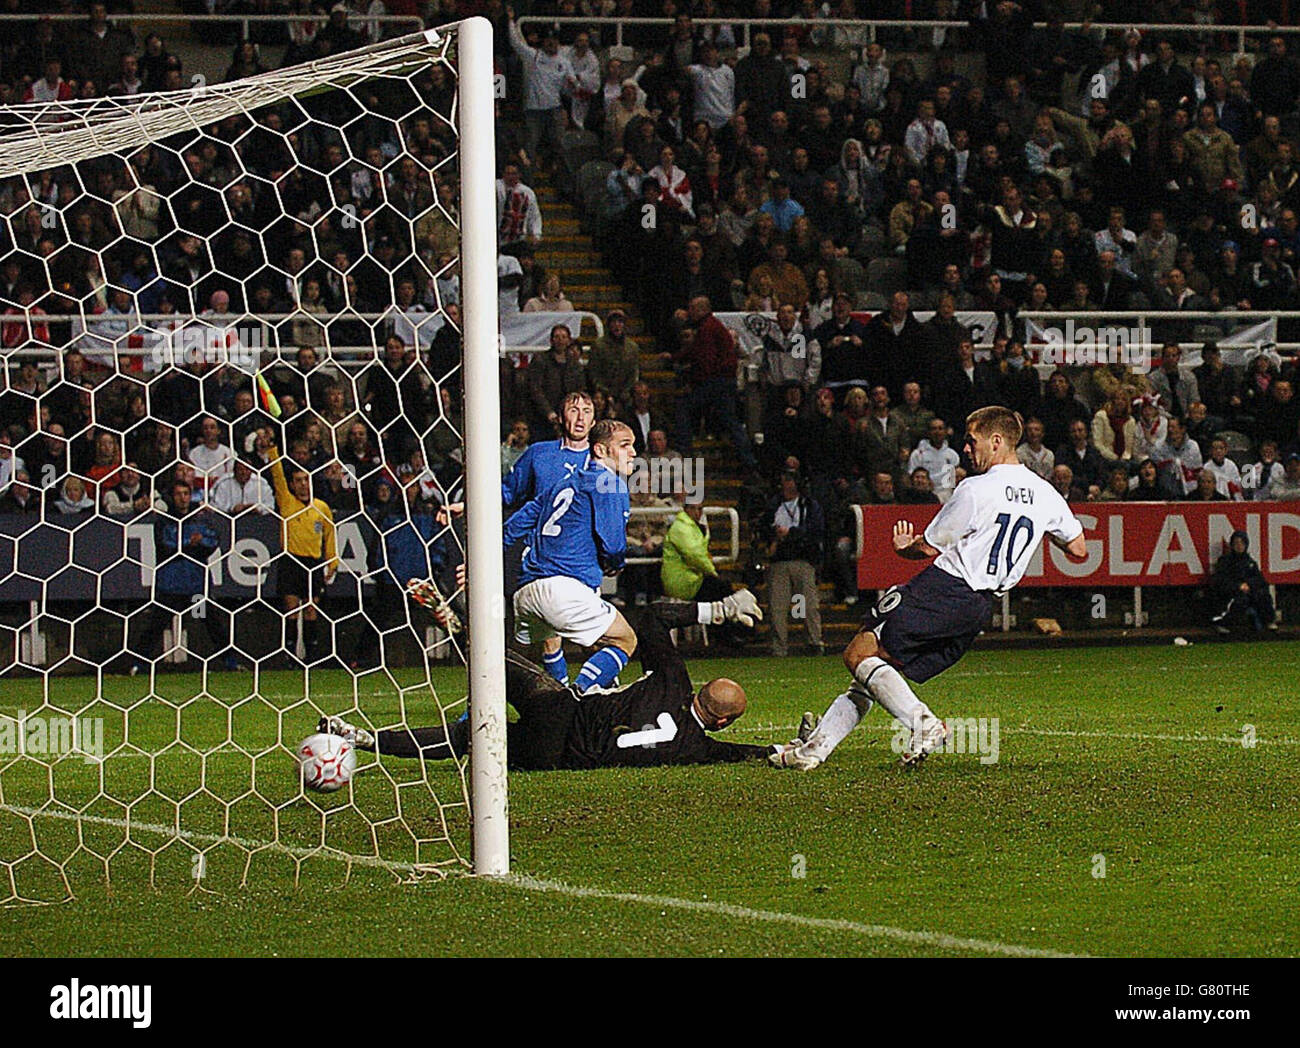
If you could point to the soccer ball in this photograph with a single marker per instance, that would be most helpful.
(327, 762)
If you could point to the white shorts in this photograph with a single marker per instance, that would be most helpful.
(563, 606)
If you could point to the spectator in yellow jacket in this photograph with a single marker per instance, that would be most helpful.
(688, 571)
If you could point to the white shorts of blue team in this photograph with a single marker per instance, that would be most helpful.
(561, 606)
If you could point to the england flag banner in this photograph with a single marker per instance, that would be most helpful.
(1129, 544)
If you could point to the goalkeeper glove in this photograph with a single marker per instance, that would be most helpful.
(426, 592)
(741, 607)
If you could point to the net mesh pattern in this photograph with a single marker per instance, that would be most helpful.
(195, 283)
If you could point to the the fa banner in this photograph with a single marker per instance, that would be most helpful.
(1128, 543)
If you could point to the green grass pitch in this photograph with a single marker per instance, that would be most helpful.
(1128, 761)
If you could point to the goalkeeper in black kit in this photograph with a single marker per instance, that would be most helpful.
(658, 719)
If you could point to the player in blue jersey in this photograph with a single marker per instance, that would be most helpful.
(547, 460)
(576, 532)
(538, 468)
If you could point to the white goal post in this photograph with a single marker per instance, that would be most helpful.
(485, 576)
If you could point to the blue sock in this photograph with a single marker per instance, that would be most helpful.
(602, 668)
(556, 666)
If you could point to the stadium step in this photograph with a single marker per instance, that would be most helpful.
(576, 275)
(587, 283)
(590, 286)
(573, 241)
(560, 225)
(605, 297)
(568, 258)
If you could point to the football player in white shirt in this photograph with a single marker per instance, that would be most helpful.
(983, 539)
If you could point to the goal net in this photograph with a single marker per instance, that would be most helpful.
(232, 337)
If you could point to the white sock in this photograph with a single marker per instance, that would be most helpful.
(842, 717)
(887, 686)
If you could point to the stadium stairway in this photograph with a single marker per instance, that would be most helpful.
(567, 250)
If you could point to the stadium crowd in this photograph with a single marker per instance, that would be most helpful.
(817, 184)
(871, 209)
(117, 402)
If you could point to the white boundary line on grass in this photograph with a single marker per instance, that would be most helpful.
(193, 837)
(534, 884)
(745, 913)
(1062, 733)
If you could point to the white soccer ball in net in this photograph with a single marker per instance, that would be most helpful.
(327, 762)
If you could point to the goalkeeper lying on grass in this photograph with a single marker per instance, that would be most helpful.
(659, 719)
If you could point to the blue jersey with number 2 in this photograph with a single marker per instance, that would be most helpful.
(537, 469)
(576, 528)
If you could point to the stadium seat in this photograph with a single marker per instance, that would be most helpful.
(887, 275)
(853, 277)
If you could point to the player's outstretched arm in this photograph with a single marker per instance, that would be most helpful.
(285, 501)
(911, 545)
(430, 744)
(655, 648)
(1075, 549)
(718, 752)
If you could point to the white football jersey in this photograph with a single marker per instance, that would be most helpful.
(987, 532)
